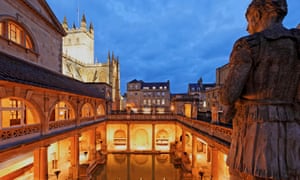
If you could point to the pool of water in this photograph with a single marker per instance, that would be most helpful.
(138, 167)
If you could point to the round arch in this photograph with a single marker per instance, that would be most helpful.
(15, 111)
(61, 110)
(28, 35)
(87, 110)
(162, 134)
(141, 137)
(100, 110)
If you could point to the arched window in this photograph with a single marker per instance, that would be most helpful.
(100, 110)
(15, 112)
(87, 110)
(14, 32)
(62, 111)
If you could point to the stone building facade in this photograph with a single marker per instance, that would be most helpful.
(79, 62)
(29, 30)
(39, 106)
(148, 97)
(194, 103)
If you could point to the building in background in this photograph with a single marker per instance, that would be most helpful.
(193, 103)
(79, 62)
(148, 97)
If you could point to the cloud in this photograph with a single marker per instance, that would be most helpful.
(157, 40)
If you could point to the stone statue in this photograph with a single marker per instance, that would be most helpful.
(261, 92)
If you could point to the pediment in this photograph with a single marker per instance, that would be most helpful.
(42, 8)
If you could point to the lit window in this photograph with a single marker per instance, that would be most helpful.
(1, 29)
(162, 101)
(87, 110)
(15, 112)
(28, 43)
(62, 111)
(100, 110)
(15, 33)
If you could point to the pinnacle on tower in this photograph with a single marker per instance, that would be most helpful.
(91, 28)
(65, 23)
(112, 56)
(108, 56)
(83, 23)
(83, 19)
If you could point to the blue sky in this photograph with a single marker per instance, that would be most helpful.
(160, 40)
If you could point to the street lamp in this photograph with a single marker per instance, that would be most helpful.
(201, 173)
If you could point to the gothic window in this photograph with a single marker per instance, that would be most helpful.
(16, 33)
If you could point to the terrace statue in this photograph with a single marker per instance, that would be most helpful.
(261, 92)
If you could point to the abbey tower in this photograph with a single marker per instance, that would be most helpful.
(78, 60)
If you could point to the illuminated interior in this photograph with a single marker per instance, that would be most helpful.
(61, 153)
(62, 111)
(16, 112)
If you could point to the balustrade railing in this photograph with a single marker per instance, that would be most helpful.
(60, 124)
(13, 132)
(216, 130)
(151, 117)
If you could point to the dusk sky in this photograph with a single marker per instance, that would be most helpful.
(160, 40)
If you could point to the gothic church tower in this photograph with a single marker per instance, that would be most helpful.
(78, 60)
(79, 42)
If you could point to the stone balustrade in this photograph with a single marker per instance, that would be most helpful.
(60, 124)
(14, 132)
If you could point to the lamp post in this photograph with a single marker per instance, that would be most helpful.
(201, 173)
(57, 172)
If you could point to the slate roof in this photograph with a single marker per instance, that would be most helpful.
(16, 70)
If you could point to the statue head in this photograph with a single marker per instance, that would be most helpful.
(263, 13)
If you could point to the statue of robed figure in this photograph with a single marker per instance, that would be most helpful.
(261, 92)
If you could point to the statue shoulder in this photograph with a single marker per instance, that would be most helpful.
(247, 42)
(296, 33)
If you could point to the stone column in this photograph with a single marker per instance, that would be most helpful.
(74, 157)
(194, 151)
(153, 137)
(214, 114)
(128, 137)
(194, 156)
(183, 140)
(92, 145)
(214, 163)
(40, 163)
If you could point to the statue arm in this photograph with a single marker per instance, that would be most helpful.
(239, 67)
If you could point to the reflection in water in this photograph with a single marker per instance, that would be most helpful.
(138, 167)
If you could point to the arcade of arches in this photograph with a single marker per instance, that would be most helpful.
(60, 134)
